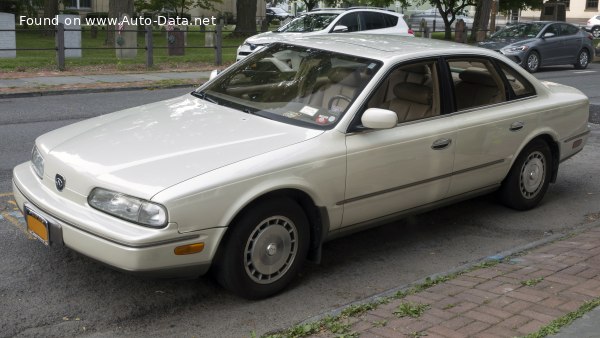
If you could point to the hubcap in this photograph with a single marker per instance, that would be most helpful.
(583, 59)
(533, 175)
(271, 249)
(532, 62)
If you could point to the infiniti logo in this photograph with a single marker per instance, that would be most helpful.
(60, 182)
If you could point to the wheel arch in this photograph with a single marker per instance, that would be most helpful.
(552, 143)
(318, 217)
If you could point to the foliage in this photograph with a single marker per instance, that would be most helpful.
(179, 6)
(506, 5)
(555, 325)
(350, 3)
(409, 309)
(532, 281)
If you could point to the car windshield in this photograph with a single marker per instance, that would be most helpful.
(308, 23)
(523, 30)
(296, 85)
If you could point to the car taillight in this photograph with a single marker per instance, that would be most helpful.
(591, 37)
(410, 31)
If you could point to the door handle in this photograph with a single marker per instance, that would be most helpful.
(441, 144)
(517, 126)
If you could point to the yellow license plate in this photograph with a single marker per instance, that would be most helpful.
(38, 227)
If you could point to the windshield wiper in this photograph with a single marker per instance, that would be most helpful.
(203, 96)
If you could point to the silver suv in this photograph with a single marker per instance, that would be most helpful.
(330, 20)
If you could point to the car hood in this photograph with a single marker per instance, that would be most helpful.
(143, 150)
(499, 43)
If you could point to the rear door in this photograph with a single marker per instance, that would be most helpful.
(571, 40)
(493, 115)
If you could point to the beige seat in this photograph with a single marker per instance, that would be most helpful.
(412, 102)
(341, 81)
(476, 88)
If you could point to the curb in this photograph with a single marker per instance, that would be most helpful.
(461, 268)
(90, 90)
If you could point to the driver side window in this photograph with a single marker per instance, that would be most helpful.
(411, 91)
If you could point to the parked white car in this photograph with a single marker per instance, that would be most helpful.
(434, 20)
(330, 20)
(300, 143)
(593, 26)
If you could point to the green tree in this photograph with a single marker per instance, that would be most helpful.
(179, 6)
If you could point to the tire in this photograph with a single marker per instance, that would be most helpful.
(529, 177)
(532, 62)
(596, 32)
(583, 59)
(267, 246)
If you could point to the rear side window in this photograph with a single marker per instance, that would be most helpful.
(390, 20)
(518, 85)
(373, 20)
(568, 29)
(476, 83)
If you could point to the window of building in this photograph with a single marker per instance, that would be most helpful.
(78, 4)
(591, 4)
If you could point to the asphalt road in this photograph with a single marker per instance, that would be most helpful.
(57, 292)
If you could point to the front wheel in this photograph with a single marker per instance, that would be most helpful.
(532, 62)
(583, 59)
(596, 32)
(267, 246)
(529, 177)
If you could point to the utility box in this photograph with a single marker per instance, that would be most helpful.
(554, 11)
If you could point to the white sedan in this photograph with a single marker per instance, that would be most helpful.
(302, 142)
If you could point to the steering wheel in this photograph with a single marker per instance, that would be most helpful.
(338, 97)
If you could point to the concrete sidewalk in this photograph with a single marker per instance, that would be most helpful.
(516, 297)
(56, 85)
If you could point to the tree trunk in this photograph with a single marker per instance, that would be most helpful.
(246, 18)
(50, 11)
(116, 8)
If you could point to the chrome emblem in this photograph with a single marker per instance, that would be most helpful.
(60, 182)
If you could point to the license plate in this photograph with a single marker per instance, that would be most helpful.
(38, 227)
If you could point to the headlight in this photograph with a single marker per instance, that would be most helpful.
(37, 162)
(516, 49)
(128, 208)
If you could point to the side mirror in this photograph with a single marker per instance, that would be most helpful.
(340, 29)
(548, 35)
(376, 118)
(213, 74)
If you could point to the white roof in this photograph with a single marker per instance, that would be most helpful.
(386, 47)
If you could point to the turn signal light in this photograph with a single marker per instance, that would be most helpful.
(189, 249)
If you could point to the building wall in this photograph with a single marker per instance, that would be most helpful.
(576, 12)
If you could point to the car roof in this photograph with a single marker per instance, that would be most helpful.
(351, 9)
(386, 47)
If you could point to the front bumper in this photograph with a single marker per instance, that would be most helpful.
(117, 243)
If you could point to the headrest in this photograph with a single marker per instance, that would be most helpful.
(477, 76)
(345, 76)
(413, 92)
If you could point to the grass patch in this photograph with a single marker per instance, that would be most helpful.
(555, 325)
(28, 60)
(412, 310)
(532, 281)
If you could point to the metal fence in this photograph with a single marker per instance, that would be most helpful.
(149, 47)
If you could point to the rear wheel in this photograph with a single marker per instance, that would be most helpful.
(267, 246)
(596, 32)
(532, 62)
(583, 59)
(528, 179)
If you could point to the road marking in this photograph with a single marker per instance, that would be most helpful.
(12, 214)
(584, 71)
